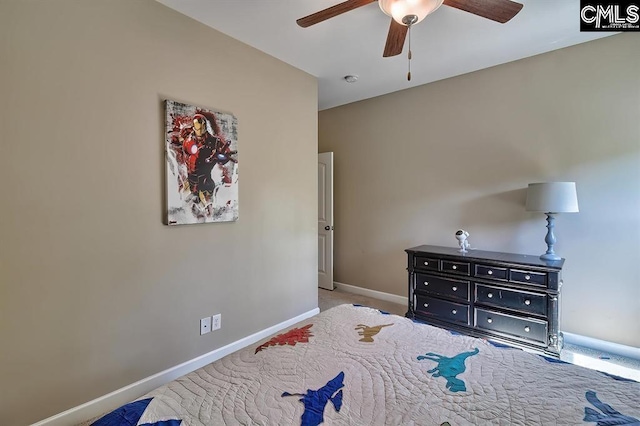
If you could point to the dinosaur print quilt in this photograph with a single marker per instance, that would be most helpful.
(354, 365)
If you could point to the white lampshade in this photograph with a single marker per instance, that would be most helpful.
(552, 197)
(398, 9)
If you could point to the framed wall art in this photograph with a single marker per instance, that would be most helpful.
(202, 165)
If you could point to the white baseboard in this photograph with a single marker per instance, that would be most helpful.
(128, 393)
(602, 345)
(371, 293)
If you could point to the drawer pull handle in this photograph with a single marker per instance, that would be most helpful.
(426, 263)
(426, 283)
(490, 295)
(527, 277)
(426, 305)
(454, 288)
(489, 320)
(527, 302)
(454, 267)
(490, 272)
(454, 312)
(527, 329)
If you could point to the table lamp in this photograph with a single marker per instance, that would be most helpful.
(552, 198)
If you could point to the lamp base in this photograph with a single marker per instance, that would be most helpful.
(550, 257)
(550, 239)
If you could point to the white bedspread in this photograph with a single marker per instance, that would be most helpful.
(357, 366)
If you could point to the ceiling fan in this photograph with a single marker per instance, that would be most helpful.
(405, 13)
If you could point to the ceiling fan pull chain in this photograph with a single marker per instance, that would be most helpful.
(409, 56)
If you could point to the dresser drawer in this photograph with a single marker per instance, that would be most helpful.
(528, 277)
(461, 268)
(442, 309)
(427, 263)
(457, 289)
(523, 301)
(522, 328)
(492, 272)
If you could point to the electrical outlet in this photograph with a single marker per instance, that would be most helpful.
(217, 322)
(205, 325)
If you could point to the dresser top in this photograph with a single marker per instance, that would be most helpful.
(472, 254)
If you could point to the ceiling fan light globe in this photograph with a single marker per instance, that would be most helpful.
(398, 9)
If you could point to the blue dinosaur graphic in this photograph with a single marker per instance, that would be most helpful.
(130, 414)
(315, 400)
(608, 416)
(449, 368)
(618, 378)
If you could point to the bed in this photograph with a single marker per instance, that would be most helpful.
(354, 365)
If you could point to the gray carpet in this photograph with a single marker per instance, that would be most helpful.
(328, 299)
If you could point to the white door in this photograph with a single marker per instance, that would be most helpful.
(325, 220)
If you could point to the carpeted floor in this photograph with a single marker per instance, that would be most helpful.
(330, 298)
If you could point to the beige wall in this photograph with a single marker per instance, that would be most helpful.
(413, 167)
(95, 291)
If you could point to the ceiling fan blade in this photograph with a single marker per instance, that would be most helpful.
(332, 11)
(395, 39)
(496, 10)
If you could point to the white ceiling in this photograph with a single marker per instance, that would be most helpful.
(447, 43)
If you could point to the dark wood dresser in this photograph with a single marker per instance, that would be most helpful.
(509, 298)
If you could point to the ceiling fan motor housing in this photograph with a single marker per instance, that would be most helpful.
(409, 12)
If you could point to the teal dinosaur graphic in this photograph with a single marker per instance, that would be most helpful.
(449, 368)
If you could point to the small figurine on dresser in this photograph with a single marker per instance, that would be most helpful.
(461, 236)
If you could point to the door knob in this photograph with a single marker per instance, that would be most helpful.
(327, 228)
